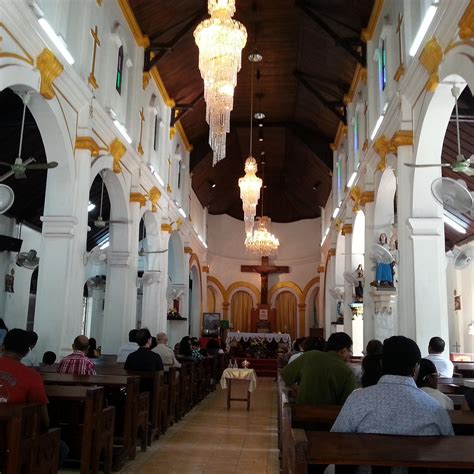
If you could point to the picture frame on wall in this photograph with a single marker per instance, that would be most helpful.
(210, 324)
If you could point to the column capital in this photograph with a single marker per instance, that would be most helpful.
(426, 226)
(58, 226)
(119, 258)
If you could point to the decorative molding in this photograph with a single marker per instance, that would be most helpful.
(320, 269)
(87, 143)
(402, 138)
(184, 138)
(26, 58)
(367, 197)
(49, 68)
(368, 32)
(166, 228)
(340, 134)
(359, 75)
(309, 285)
(117, 150)
(145, 80)
(205, 268)
(221, 287)
(466, 23)
(383, 146)
(169, 102)
(297, 291)
(338, 224)
(346, 229)
(356, 196)
(91, 79)
(179, 223)
(399, 73)
(154, 194)
(365, 146)
(188, 250)
(141, 39)
(237, 285)
(430, 58)
(138, 197)
(172, 132)
(331, 252)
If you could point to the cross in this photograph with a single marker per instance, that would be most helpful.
(91, 79)
(264, 269)
(457, 346)
(142, 119)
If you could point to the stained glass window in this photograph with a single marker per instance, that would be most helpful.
(382, 65)
(119, 75)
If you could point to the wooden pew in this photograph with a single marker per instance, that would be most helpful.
(350, 449)
(23, 447)
(88, 428)
(125, 440)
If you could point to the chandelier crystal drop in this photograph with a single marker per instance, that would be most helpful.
(220, 40)
(250, 186)
(261, 242)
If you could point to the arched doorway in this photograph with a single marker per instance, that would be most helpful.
(194, 302)
(286, 306)
(240, 311)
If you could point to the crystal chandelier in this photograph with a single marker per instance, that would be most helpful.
(262, 242)
(220, 40)
(250, 186)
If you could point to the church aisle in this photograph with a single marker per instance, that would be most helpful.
(211, 439)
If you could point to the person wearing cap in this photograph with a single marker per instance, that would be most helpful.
(395, 405)
(427, 381)
(323, 378)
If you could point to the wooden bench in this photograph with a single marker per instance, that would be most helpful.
(80, 411)
(121, 392)
(349, 449)
(23, 447)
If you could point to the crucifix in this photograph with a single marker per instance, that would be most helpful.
(142, 119)
(264, 269)
(457, 346)
(91, 79)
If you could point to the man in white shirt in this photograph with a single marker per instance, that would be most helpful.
(31, 359)
(129, 347)
(443, 365)
(165, 352)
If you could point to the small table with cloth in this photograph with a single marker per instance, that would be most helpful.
(230, 374)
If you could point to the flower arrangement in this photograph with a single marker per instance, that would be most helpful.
(174, 315)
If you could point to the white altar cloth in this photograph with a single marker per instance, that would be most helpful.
(246, 336)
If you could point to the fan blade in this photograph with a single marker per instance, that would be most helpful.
(156, 251)
(118, 222)
(2, 163)
(42, 166)
(443, 165)
(5, 176)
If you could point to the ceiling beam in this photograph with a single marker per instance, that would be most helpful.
(328, 104)
(161, 49)
(179, 111)
(350, 45)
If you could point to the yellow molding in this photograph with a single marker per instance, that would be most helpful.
(27, 58)
(338, 224)
(242, 284)
(117, 150)
(367, 196)
(283, 285)
(166, 228)
(188, 250)
(346, 229)
(205, 268)
(466, 23)
(368, 32)
(172, 132)
(49, 68)
(383, 146)
(179, 223)
(184, 138)
(141, 39)
(331, 252)
(359, 74)
(221, 287)
(154, 194)
(430, 58)
(341, 132)
(400, 72)
(309, 285)
(145, 80)
(87, 143)
(161, 88)
(138, 197)
(402, 138)
(320, 269)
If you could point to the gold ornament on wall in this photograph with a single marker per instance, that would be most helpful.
(154, 195)
(430, 58)
(466, 23)
(91, 79)
(138, 197)
(49, 68)
(117, 150)
(356, 196)
(142, 120)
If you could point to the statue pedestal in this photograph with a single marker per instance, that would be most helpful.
(385, 320)
(264, 313)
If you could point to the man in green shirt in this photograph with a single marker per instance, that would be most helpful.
(323, 378)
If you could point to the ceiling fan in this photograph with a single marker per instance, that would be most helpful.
(19, 167)
(142, 252)
(28, 259)
(462, 164)
(100, 222)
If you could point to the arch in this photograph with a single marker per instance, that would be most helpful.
(239, 285)
(194, 263)
(296, 290)
(195, 301)
(340, 260)
(358, 239)
(241, 300)
(286, 301)
(313, 282)
(384, 209)
(176, 264)
(211, 299)
(219, 286)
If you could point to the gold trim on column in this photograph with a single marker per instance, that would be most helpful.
(179, 223)
(117, 150)
(172, 132)
(466, 23)
(87, 143)
(368, 32)
(138, 197)
(346, 229)
(145, 80)
(367, 197)
(205, 268)
(154, 194)
(184, 138)
(188, 250)
(91, 79)
(309, 285)
(356, 196)
(430, 58)
(383, 146)
(28, 59)
(320, 269)
(359, 74)
(166, 228)
(142, 120)
(338, 223)
(49, 68)
(141, 39)
(402, 138)
(331, 252)
(161, 88)
(399, 73)
(340, 134)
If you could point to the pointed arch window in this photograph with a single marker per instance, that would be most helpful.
(155, 134)
(119, 73)
(179, 174)
(382, 65)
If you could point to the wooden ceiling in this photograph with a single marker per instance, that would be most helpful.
(301, 83)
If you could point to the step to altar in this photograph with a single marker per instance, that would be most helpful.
(263, 367)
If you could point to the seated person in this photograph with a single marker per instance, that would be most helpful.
(324, 378)
(143, 359)
(129, 347)
(374, 346)
(49, 358)
(196, 349)
(371, 370)
(297, 350)
(32, 358)
(443, 365)
(185, 348)
(20, 384)
(395, 405)
(212, 347)
(166, 353)
(427, 380)
(77, 363)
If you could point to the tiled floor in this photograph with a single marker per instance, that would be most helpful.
(211, 439)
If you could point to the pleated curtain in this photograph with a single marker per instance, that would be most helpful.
(240, 311)
(286, 312)
(211, 300)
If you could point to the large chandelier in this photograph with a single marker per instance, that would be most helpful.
(250, 186)
(262, 242)
(220, 40)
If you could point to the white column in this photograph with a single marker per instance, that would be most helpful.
(369, 318)
(163, 297)
(330, 303)
(348, 288)
(152, 294)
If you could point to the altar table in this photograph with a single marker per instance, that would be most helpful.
(238, 374)
(269, 337)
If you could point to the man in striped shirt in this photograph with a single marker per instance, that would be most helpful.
(77, 363)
